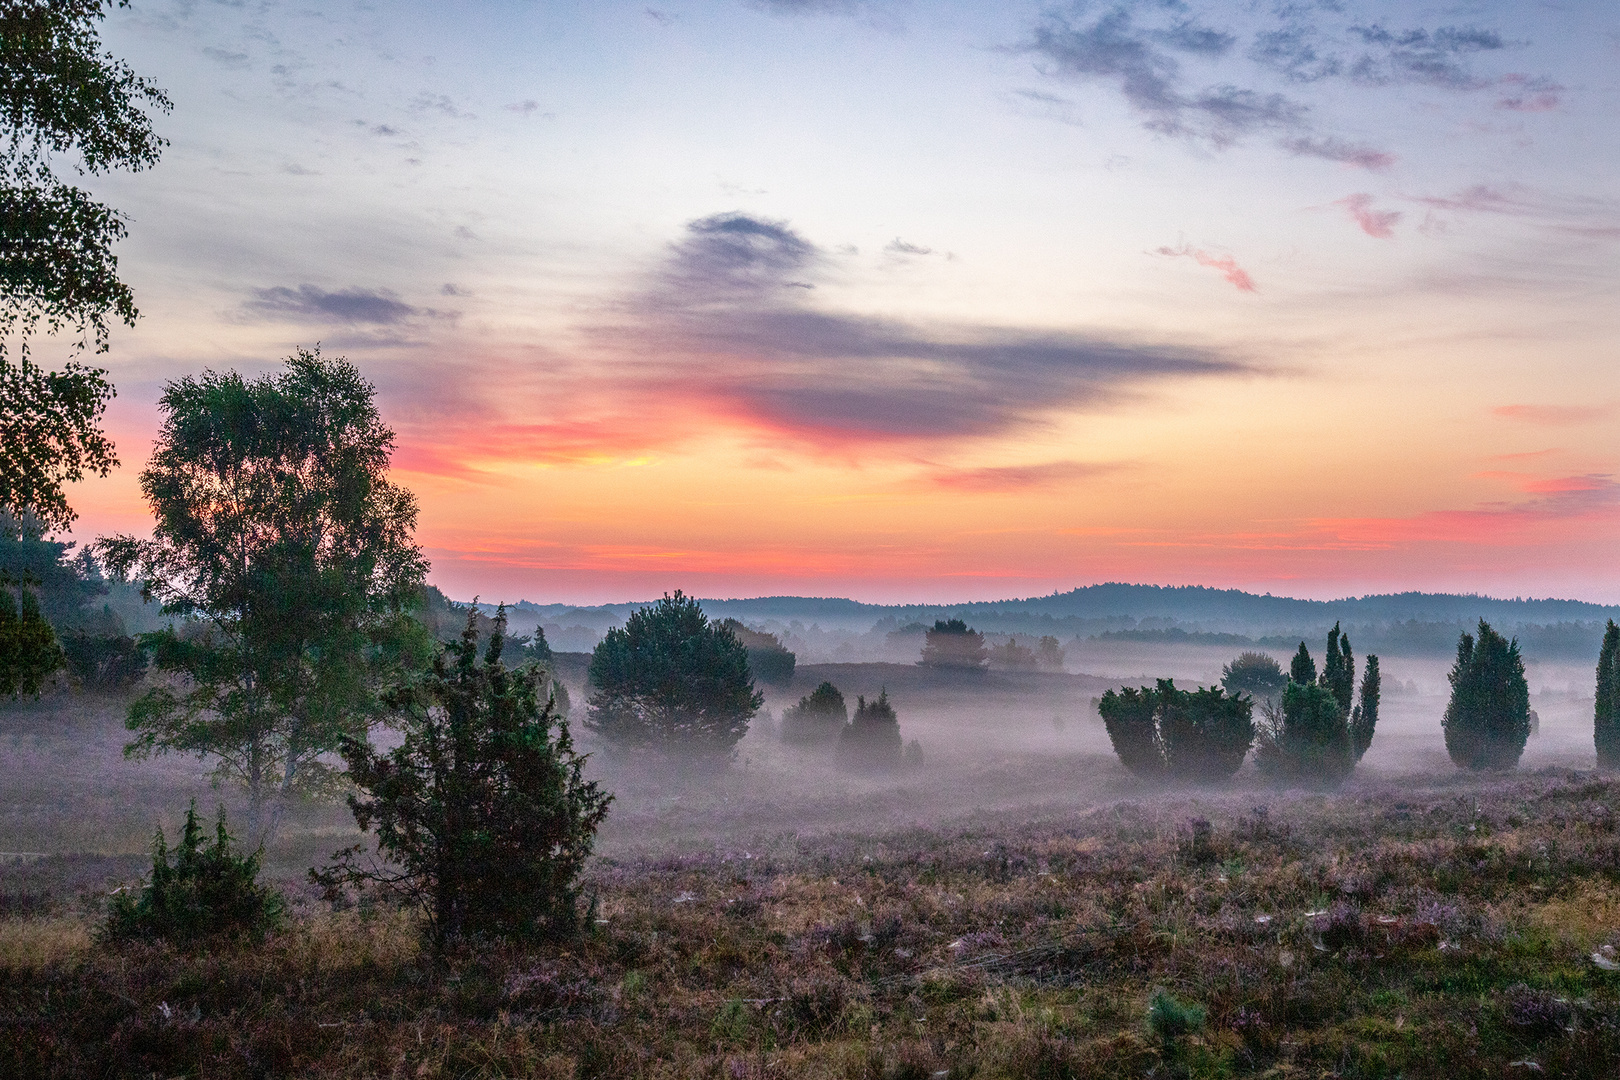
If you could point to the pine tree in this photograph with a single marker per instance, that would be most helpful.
(819, 717)
(1606, 720)
(1487, 721)
(1365, 716)
(1303, 668)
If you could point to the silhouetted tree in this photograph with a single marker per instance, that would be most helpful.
(1364, 718)
(1606, 717)
(871, 741)
(819, 717)
(280, 534)
(768, 659)
(1200, 735)
(671, 680)
(482, 813)
(1487, 721)
(1255, 674)
(60, 94)
(1049, 654)
(1013, 656)
(29, 652)
(1303, 669)
(954, 644)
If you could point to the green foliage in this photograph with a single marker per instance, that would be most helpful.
(1170, 1020)
(670, 680)
(1606, 715)
(1487, 721)
(1198, 735)
(768, 659)
(29, 652)
(1302, 669)
(954, 644)
(207, 890)
(1364, 719)
(871, 741)
(50, 433)
(1255, 674)
(1308, 739)
(1339, 670)
(819, 717)
(279, 531)
(482, 812)
(60, 94)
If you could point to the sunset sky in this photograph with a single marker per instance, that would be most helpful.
(913, 301)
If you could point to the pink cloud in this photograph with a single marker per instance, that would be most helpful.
(1016, 477)
(1234, 274)
(1378, 224)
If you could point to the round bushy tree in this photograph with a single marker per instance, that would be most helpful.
(671, 680)
(1200, 735)
(768, 659)
(819, 716)
(1255, 674)
(1487, 721)
(1606, 716)
(871, 741)
(954, 644)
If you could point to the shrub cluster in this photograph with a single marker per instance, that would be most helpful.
(871, 741)
(1200, 735)
(1320, 728)
(952, 643)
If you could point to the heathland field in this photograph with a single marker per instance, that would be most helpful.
(1012, 909)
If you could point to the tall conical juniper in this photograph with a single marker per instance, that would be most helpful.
(1488, 720)
(1606, 721)
(1364, 718)
(1339, 669)
(1303, 669)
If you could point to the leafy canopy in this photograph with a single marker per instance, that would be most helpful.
(953, 643)
(278, 530)
(482, 811)
(671, 680)
(61, 94)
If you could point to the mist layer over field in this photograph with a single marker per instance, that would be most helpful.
(1000, 743)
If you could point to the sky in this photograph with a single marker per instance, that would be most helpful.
(912, 301)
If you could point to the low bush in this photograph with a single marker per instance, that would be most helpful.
(1200, 735)
(208, 890)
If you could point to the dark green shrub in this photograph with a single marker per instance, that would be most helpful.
(1254, 674)
(1306, 740)
(482, 811)
(1364, 718)
(1487, 721)
(208, 890)
(818, 718)
(29, 652)
(104, 663)
(1606, 716)
(1200, 735)
(671, 680)
(954, 644)
(1302, 669)
(871, 741)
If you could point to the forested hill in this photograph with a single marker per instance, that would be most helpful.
(1127, 606)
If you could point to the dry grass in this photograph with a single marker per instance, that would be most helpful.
(1399, 931)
